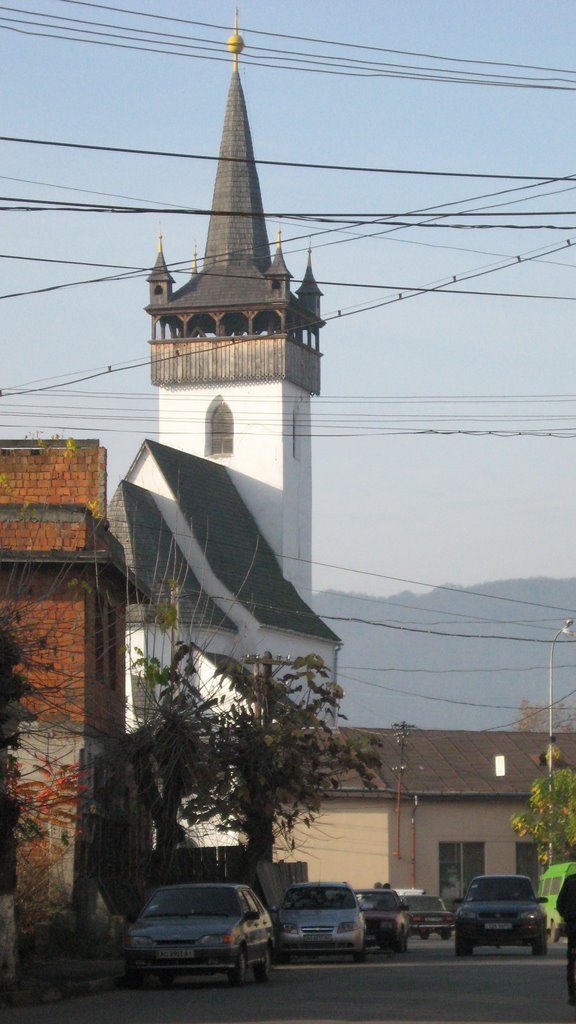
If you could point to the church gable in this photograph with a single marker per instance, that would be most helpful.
(234, 548)
(156, 559)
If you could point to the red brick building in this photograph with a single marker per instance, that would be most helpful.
(63, 575)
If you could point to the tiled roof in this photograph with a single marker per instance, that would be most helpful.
(156, 559)
(236, 551)
(461, 763)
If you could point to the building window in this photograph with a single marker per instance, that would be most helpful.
(221, 430)
(106, 645)
(295, 436)
(458, 865)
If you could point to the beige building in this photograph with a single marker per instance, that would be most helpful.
(440, 812)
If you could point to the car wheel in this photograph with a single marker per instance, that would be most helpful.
(445, 935)
(360, 956)
(539, 947)
(166, 979)
(463, 948)
(282, 958)
(237, 976)
(424, 935)
(262, 969)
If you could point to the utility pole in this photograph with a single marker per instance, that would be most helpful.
(401, 733)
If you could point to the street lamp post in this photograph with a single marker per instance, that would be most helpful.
(565, 629)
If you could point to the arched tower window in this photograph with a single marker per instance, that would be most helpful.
(220, 433)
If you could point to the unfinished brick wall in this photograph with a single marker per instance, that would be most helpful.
(63, 576)
(72, 614)
(53, 473)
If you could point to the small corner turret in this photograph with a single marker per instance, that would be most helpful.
(278, 273)
(160, 280)
(309, 292)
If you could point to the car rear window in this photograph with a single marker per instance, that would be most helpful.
(378, 900)
(425, 903)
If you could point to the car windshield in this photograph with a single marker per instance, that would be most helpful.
(378, 900)
(319, 897)
(425, 903)
(500, 889)
(212, 902)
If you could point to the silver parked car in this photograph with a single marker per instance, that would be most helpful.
(200, 929)
(318, 918)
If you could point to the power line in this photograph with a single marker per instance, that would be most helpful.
(538, 179)
(314, 39)
(302, 61)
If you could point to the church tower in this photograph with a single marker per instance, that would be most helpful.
(235, 353)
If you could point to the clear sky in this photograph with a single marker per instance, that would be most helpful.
(427, 463)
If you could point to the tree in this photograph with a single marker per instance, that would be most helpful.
(172, 755)
(13, 688)
(534, 718)
(280, 754)
(550, 819)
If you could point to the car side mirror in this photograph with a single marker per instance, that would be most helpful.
(459, 899)
(251, 915)
(404, 905)
(541, 899)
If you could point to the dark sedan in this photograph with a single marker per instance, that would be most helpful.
(200, 929)
(387, 919)
(428, 915)
(500, 910)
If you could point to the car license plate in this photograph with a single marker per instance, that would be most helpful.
(175, 954)
(500, 926)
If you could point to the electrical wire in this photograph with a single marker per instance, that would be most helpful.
(536, 179)
(267, 57)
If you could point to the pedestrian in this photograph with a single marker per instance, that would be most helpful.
(566, 905)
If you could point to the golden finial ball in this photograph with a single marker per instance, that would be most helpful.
(236, 43)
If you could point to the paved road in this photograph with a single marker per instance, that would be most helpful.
(428, 985)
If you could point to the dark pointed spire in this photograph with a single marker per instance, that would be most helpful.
(160, 279)
(237, 231)
(278, 267)
(309, 292)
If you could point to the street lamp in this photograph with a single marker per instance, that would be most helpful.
(565, 629)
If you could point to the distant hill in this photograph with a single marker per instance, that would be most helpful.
(453, 658)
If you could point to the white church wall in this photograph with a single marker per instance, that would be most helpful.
(270, 467)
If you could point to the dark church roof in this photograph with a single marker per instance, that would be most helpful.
(155, 558)
(240, 236)
(237, 269)
(229, 538)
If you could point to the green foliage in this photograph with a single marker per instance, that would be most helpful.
(28, 513)
(151, 672)
(550, 819)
